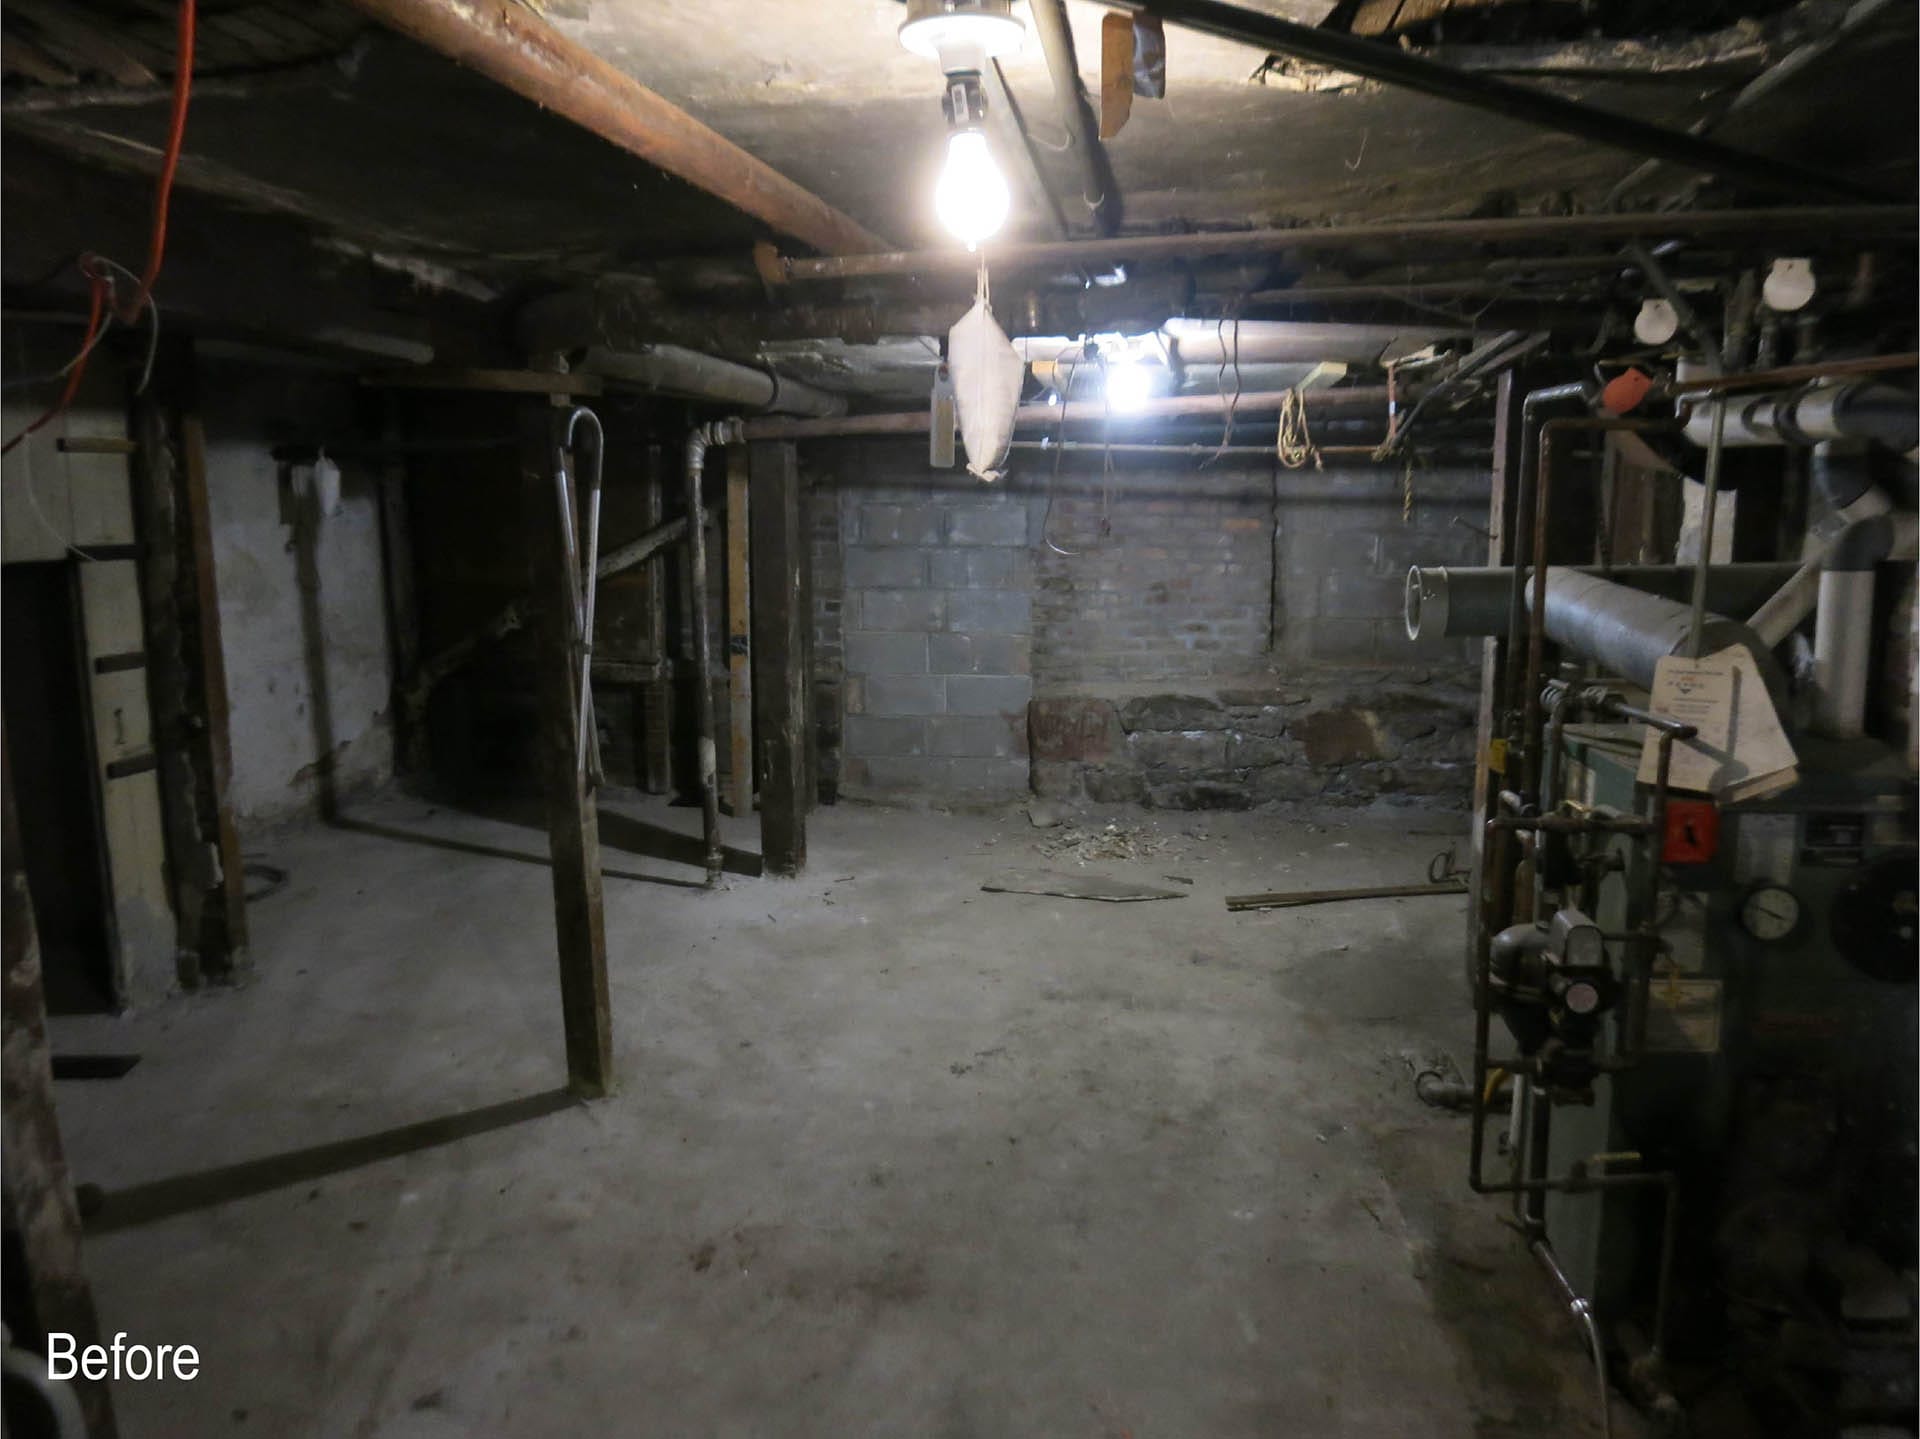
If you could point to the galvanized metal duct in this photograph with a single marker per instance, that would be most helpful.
(672, 370)
(1625, 631)
(1472, 600)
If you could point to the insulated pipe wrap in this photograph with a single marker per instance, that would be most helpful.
(674, 370)
(1814, 414)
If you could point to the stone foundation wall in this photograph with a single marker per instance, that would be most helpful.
(1179, 636)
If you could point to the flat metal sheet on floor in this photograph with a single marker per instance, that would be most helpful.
(1075, 886)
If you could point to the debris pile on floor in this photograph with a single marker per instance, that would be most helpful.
(1081, 844)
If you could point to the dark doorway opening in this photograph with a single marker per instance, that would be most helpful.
(46, 699)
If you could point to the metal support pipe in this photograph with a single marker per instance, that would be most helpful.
(587, 737)
(1818, 221)
(1391, 65)
(1532, 416)
(1076, 116)
(1842, 652)
(1709, 507)
(513, 46)
(699, 440)
(1536, 625)
(1582, 1311)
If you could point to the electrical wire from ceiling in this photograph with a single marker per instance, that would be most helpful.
(104, 303)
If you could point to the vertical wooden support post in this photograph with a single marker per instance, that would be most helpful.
(189, 872)
(573, 823)
(403, 612)
(187, 675)
(229, 942)
(809, 747)
(739, 651)
(39, 1204)
(780, 688)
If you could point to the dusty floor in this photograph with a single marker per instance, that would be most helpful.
(890, 1155)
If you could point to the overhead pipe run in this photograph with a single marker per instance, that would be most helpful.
(1855, 221)
(1076, 115)
(672, 370)
(1861, 410)
(1053, 417)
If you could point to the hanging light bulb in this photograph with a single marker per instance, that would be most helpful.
(971, 198)
(963, 36)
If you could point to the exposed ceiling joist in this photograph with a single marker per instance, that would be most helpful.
(1393, 66)
(514, 47)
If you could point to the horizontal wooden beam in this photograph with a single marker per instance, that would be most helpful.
(513, 46)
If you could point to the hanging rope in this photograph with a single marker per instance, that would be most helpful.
(1294, 445)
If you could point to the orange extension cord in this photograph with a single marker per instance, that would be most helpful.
(99, 282)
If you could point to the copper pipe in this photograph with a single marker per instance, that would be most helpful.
(1537, 556)
(1792, 374)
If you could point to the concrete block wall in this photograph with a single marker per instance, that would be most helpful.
(1176, 636)
(934, 626)
(829, 669)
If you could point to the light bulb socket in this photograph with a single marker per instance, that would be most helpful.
(961, 34)
(964, 102)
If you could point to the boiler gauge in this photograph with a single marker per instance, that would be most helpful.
(1770, 912)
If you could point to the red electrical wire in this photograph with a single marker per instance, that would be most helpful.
(99, 284)
(176, 134)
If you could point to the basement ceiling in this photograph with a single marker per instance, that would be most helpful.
(332, 143)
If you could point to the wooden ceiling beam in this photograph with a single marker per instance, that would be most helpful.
(514, 47)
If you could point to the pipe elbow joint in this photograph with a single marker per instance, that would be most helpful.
(1861, 545)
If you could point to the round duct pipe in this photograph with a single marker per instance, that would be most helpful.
(1626, 632)
(672, 370)
(1454, 601)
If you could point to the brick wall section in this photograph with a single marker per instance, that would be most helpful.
(1169, 577)
(1196, 637)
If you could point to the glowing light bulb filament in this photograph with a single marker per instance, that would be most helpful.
(971, 199)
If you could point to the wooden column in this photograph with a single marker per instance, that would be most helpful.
(403, 611)
(187, 674)
(573, 823)
(40, 1211)
(739, 652)
(780, 683)
(229, 940)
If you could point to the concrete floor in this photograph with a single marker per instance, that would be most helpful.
(890, 1155)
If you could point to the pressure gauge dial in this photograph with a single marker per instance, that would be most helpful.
(1770, 912)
